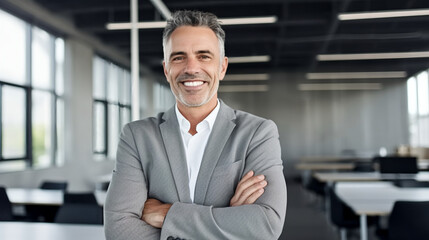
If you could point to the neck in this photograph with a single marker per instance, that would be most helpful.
(196, 115)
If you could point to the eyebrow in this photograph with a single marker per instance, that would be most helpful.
(173, 54)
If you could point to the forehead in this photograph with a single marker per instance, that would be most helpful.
(197, 38)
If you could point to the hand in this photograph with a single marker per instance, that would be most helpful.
(249, 189)
(154, 212)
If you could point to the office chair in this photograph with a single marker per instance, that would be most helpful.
(80, 208)
(45, 213)
(80, 198)
(54, 185)
(409, 221)
(5, 206)
(343, 216)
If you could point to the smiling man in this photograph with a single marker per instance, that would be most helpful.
(201, 170)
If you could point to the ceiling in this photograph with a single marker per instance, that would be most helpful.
(305, 28)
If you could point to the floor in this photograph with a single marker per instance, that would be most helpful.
(305, 218)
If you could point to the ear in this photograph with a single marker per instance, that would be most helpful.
(165, 70)
(223, 68)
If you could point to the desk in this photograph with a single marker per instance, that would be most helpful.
(367, 176)
(375, 198)
(47, 231)
(324, 166)
(35, 196)
(335, 159)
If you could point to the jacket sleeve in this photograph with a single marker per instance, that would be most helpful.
(262, 220)
(126, 195)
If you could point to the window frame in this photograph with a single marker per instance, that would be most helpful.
(28, 88)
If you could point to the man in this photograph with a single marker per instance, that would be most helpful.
(200, 170)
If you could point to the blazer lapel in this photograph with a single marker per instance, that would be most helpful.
(173, 144)
(221, 131)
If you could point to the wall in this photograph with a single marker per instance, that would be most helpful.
(326, 123)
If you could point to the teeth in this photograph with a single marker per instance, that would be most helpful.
(193, 84)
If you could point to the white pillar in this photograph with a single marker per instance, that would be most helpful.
(135, 76)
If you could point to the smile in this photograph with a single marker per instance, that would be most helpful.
(193, 83)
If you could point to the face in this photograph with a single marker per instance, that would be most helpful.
(193, 66)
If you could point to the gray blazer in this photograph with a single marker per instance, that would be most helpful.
(151, 163)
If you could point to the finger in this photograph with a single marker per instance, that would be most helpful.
(252, 198)
(243, 185)
(246, 193)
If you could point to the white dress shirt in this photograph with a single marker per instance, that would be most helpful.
(196, 144)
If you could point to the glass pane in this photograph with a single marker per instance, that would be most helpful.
(16, 165)
(126, 89)
(423, 93)
(12, 49)
(113, 117)
(41, 59)
(125, 116)
(13, 122)
(112, 83)
(99, 127)
(59, 66)
(42, 142)
(60, 156)
(412, 96)
(99, 80)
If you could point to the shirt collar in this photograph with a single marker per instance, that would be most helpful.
(210, 119)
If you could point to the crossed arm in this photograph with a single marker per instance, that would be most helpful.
(248, 190)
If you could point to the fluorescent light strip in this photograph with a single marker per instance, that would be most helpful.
(243, 88)
(371, 56)
(140, 25)
(356, 75)
(247, 77)
(224, 21)
(382, 14)
(249, 59)
(339, 86)
(248, 20)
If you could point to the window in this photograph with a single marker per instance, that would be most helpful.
(31, 102)
(418, 109)
(111, 106)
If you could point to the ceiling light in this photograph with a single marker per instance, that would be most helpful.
(248, 20)
(162, 24)
(249, 59)
(140, 25)
(371, 56)
(247, 77)
(356, 75)
(243, 88)
(382, 14)
(160, 6)
(339, 86)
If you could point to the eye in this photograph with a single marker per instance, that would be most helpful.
(178, 59)
(204, 57)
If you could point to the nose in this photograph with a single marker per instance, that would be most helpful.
(192, 66)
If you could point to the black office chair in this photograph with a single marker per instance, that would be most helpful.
(343, 216)
(5, 206)
(54, 185)
(409, 221)
(38, 213)
(80, 208)
(410, 183)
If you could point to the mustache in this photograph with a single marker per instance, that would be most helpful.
(187, 76)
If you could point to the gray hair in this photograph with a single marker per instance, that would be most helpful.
(195, 19)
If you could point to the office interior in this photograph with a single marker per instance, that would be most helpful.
(341, 87)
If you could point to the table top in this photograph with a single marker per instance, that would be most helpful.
(324, 166)
(335, 159)
(377, 198)
(367, 176)
(47, 231)
(36, 196)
